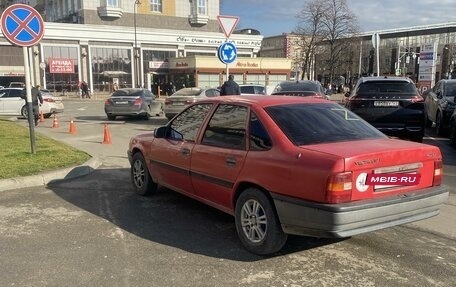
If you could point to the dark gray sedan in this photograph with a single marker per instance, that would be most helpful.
(136, 102)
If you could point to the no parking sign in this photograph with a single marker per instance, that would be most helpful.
(22, 25)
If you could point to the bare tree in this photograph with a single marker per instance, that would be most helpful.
(310, 33)
(328, 24)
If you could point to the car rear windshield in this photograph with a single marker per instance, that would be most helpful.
(127, 93)
(306, 124)
(387, 87)
(188, 92)
(297, 86)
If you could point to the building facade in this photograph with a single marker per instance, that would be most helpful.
(400, 53)
(287, 46)
(131, 43)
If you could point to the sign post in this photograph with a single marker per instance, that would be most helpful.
(227, 52)
(23, 26)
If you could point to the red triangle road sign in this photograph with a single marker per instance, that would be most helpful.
(228, 23)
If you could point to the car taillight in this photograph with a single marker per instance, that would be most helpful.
(49, 100)
(339, 188)
(416, 99)
(168, 102)
(438, 172)
(138, 102)
(107, 102)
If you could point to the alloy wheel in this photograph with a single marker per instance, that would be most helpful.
(139, 174)
(254, 221)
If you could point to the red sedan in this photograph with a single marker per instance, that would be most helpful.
(289, 165)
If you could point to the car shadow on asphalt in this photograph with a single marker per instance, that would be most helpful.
(165, 217)
(160, 121)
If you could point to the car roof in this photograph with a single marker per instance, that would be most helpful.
(266, 100)
(251, 85)
(384, 78)
(12, 88)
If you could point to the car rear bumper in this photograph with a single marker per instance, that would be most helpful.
(348, 219)
(126, 111)
(401, 131)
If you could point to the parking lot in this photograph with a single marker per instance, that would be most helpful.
(94, 231)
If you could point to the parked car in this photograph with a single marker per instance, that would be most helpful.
(259, 159)
(181, 99)
(303, 88)
(12, 102)
(252, 89)
(51, 104)
(133, 102)
(391, 104)
(16, 85)
(439, 104)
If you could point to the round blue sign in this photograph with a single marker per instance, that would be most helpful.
(227, 53)
(22, 25)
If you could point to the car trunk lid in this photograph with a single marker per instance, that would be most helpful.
(367, 158)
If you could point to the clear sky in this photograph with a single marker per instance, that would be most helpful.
(279, 16)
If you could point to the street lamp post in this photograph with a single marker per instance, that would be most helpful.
(135, 48)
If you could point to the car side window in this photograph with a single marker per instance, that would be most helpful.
(258, 137)
(187, 124)
(247, 90)
(15, 93)
(212, 93)
(227, 127)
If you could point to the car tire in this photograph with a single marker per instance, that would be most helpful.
(427, 121)
(147, 114)
(140, 176)
(453, 135)
(438, 125)
(111, 117)
(24, 111)
(257, 224)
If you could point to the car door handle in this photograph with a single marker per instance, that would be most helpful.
(230, 161)
(185, 151)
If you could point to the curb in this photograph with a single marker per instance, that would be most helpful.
(50, 176)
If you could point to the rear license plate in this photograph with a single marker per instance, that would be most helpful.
(386, 104)
(178, 103)
(121, 103)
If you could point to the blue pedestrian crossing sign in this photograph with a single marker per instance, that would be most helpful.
(227, 53)
(22, 25)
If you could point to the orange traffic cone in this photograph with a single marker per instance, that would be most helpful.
(72, 127)
(55, 123)
(107, 136)
(41, 117)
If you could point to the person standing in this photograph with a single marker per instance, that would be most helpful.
(230, 87)
(37, 101)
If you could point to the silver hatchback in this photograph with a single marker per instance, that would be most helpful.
(181, 99)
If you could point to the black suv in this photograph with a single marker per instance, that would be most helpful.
(391, 104)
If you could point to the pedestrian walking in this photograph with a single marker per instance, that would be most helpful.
(85, 90)
(230, 87)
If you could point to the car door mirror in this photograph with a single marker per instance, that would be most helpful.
(160, 132)
(439, 95)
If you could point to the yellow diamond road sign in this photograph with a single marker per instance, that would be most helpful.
(228, 23)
